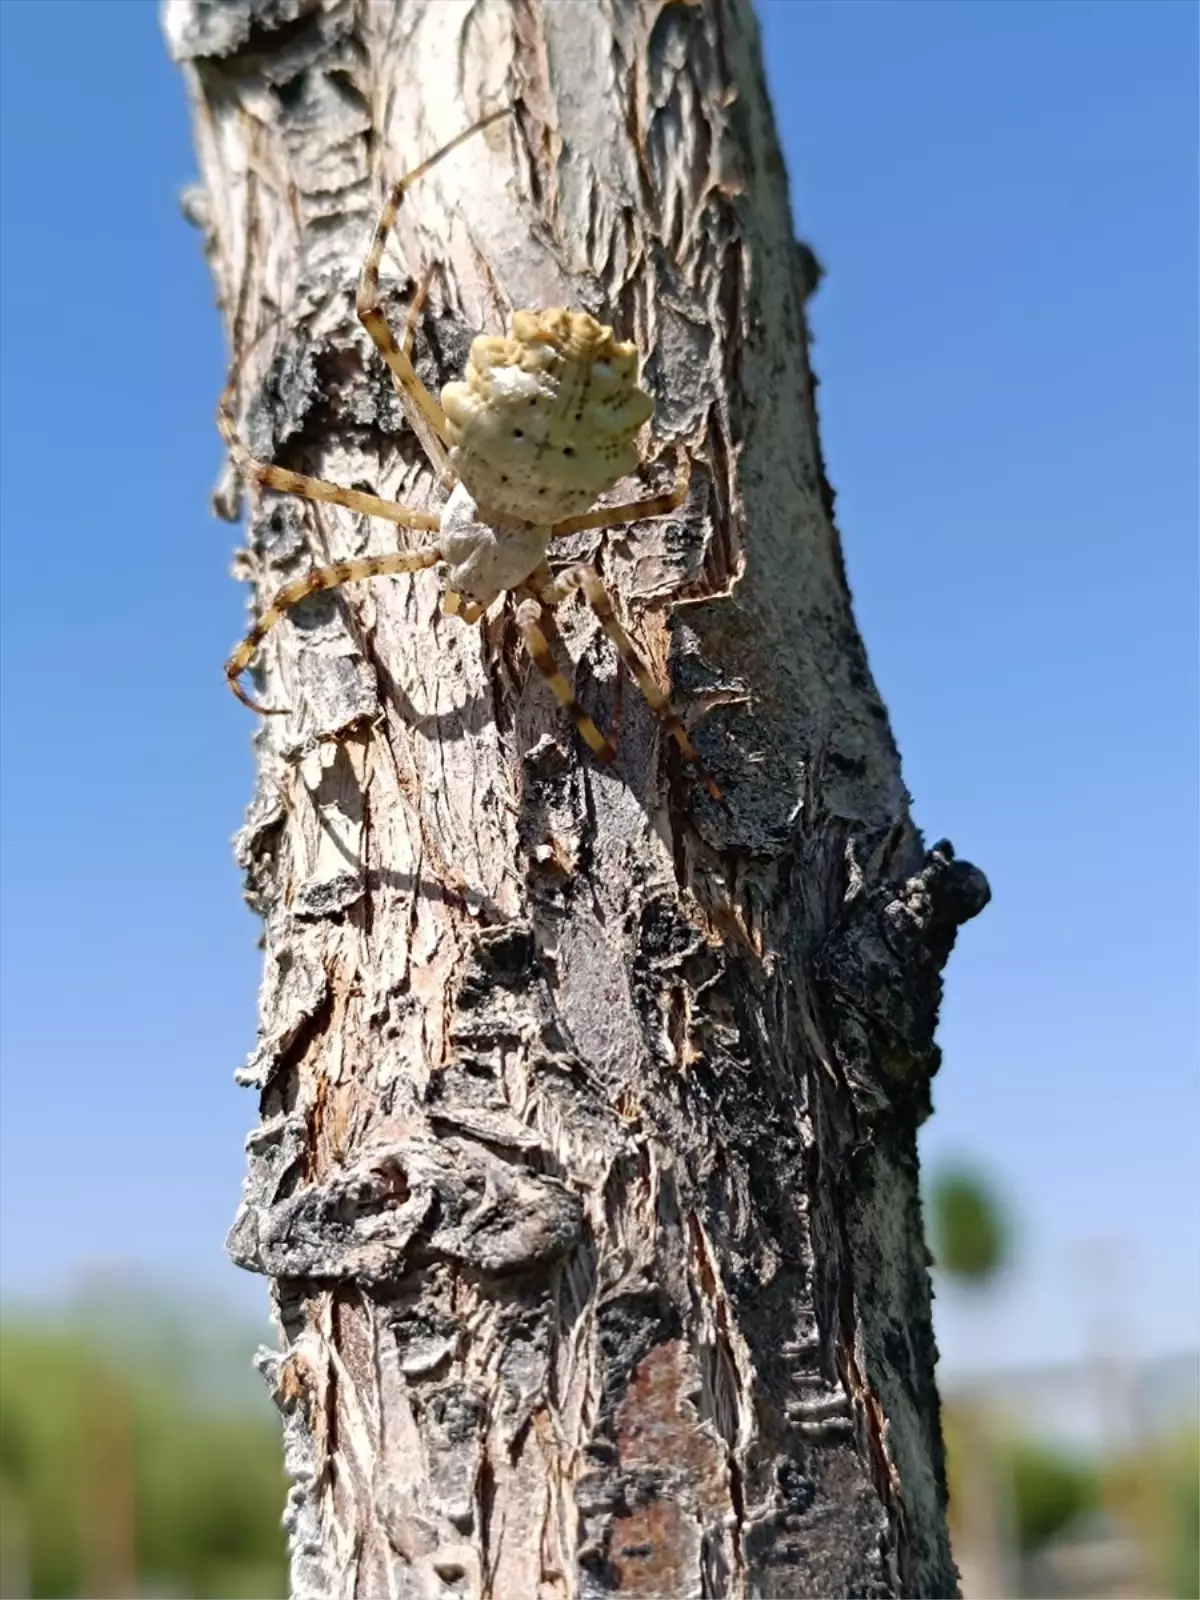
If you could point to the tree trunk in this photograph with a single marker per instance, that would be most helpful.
(586, 1175)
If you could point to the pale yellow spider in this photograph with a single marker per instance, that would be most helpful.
(543, 424)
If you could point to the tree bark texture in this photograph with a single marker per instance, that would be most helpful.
(586, 1173)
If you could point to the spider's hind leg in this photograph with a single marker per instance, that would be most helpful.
(530, 616)
(589, 581)
(453, 605)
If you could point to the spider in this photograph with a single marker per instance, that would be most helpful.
(542, 425)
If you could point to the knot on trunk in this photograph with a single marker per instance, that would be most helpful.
(879, 974)
(404, 1203)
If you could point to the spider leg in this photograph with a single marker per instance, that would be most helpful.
(589, 581)
(267, 476)
(656, 505)
(453, 605)
(413, 315)
(529, 620)
(319, 578)
(422, 410)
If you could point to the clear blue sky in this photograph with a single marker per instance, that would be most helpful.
(1004, 199)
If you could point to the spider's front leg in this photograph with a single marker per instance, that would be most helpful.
(321, 578)
(265, 475)
(425, 415)
(655, 505)
(554, 590)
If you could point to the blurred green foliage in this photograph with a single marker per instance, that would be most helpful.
(1050, 1490)
(1181, 1564)
(1152, 1492)
(122, 1470)
(140, 1454)
(1034, 1489)
(968, 1232)
(1157, 1491)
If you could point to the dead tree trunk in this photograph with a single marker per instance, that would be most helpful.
(586, 1176)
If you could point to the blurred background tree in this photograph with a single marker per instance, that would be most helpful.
(968, 1227)
(133, 1460)
(1051, 1489)
(969, 1239)
(1156, 1488)
(1017, 1497)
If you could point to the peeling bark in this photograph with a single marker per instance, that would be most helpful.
(586, 1173)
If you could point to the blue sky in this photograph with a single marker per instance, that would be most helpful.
(1004, 199)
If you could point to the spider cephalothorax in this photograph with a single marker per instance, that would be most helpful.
(543, 422)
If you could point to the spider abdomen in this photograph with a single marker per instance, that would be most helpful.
(482, 559)
(545, 419)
